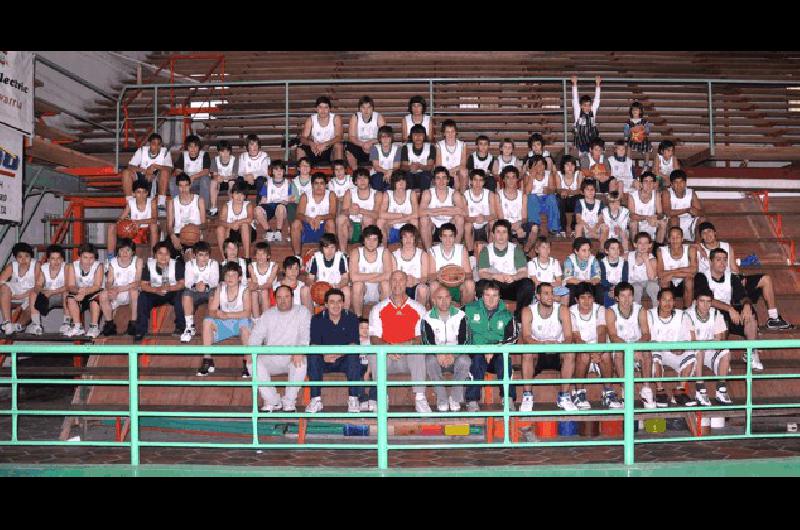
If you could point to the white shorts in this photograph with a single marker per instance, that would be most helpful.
(687, 225)
(620, 233)
(17, 289)
(123, 298)
(677, 362)
(644, 226)
(372, 292)
(711, 359)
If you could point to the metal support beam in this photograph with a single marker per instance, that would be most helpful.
(81, 81)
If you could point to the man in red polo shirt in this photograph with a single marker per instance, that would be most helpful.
(396, 320)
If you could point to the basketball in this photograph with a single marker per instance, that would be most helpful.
(308, 255)
(190, 234)
(318, 291)
(637, 134)
(127, 228)
(452, 275)
(599, 170)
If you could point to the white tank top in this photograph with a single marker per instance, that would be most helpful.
(681, 203)
(147, 160)
(136, 214)
(504, 264)
(186, 213)
(261, 279)
(277, 193)
(644, 208)
(386, 160)
(253, 165)
(665, 167)
(479, 206)
(665, 330)
(636, 273)
(704, 263)
(191, 167)
(702, 330)
(622, 170)
(367, 130)
(123, 275)
(539, 185)
(544, 273)
(302, 188)
(51, 283)
(330, 274)
(233, 216)
(423, 156)
(451, 157)
(628, 328)
(586, 328)
(81, 280)
(671, 263)
(577, 272)
(223, 170)
(231, 306)
(320, 133)
(621, 221)
(404, 208)
(365, 204)
(166, 276)
(549, 328)
(242, 266)
(441, 260)
(426, 122)
(439, 220)
(340, 187)
(722, 290)
(317, 209)
(613, 273)
(367, 267)
(593, 162)
(412, 267)
(512, 208)
(23, 283)
(572, 186)
(590, 217)
(485, 165)
(201, 275)
(502, 163)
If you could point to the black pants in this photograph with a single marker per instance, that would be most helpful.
(147, 301)
(521, 291)
(567, 205)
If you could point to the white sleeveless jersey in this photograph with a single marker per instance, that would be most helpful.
(366, 267)
(426, 123)
(572, 186)
(423, 156)
(51, 283)
(386, 160)
(451, 157)
(192, 167)
(223, 170)
(123, 275)
(186, 213)
(317, 209)
(485, 165)
(622, 170)
(167, 275)
(504, 264)
(364, 204)
(320, 133)
(613, 273)
(722, 290)
(81, 280)
(136, 214)
(620, 221)
(544, 272)
(670, 263)
(666, 166)
(439, 220)
(440, 259)
(502, 163)
(540, 185)
(628, 328)
(329, 274)
(581, 274)
(590, 217)
(644, 208)
(704, 263)
(669, 330)
(403, 208)
(593, 162)
(412, 267)
(160, 159)
(254, 165)
(339, 188)
(586, 328)
(233, 216)
(512, 208)
(636, 273)
(261, 279)
(277, 193)
(295, 291)
(235, 305)
(549, 328)
(703, 330)
(681, 203)
(302, 188)
(478, 206)
(28, 281)
(367, 130)
(242, 265)
(201, 275)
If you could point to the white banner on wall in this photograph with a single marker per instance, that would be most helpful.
(11, 175)
(16, 90)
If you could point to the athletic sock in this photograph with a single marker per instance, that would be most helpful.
(772, 313)
(189, 321)
(162, 200)
(37, 319)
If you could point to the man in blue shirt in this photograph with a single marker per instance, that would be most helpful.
(334, 327)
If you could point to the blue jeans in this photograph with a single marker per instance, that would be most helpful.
(478, 370)
(350, 365)
(548, 204)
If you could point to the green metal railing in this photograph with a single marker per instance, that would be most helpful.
(382, 445)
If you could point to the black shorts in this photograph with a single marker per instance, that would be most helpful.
(84, 304)
(480, 234)
(361, 156)
(437, 234)
(754, 292)
(325, 157)
(736, 329)
(679, 291)
(602, 187)
(236, 235)
(44, 304)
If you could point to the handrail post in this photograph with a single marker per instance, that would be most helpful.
(628, 414)
(286, 125)
(254, 390)
(507, 400)
(14, 390)
(383, 410)
(564, 105)
(749, 401)
(133, 404)
(430, 96)
(155, 110)
(117, 130)
(711, 146)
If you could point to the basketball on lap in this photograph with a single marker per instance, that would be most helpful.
(318, 291)
(190, 234)
(452, 275)
(637, 134)
(127, 228)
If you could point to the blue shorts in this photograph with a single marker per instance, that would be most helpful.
(394, 236)
(227, 328)
(310, 235)
(269, 209)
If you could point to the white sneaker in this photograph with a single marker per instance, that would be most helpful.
(527, 402)
(213, 211)
(472, 406)
(94, 331)
(455, 406)
(702, 397)
(188, 333)
(278, 237)
(315, 405)
(268, 236)
(580, 399)
(647, 397)
(372, 405)
(443, 407)
(65, 327)
(75, 331)
(421, 404)
(34, 329)
(352, 404)
(272, 408)
(289, 406)
(564, 401)
(722, 396)
(755, 360)
(9, 328)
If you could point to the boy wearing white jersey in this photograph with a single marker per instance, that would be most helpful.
(545, 268)
(195, 163)
(50, 289)
(416, 116)
(708, 242)
(626, 322)
(506, 158)
(418, 158)
(398, 207)
(340, 182)
(645, 209)
(582, 266)
(201, 277)
(301, 291)
(617, 218)
(451, 153)
(263, 273)
(84, 282)
(412, 260)
(330, 265)
(322, 134)
(277, 203)
(668, 324)
(677, 266)
(613, 270)
(439, 205)
(385, 159)
(17, 284)
(162, 283)
(589, 220)
(361, 207)
(362, 133)
(151, 162)
(682, 205)
(122, 288)
(643, 269)
(483, 209)
(568, 190)
(665, 163)
(709, 324)
(230, 254)
(536, 147)
(505, 263)
(481, 159)
(589, 327)
(184, 209)
(370, 268)
(546, 322)
(448, 252)
(253, 163)
(622, 169)
(316, 212)
(511, 201)
(595, 165)
(224, 169)
(540, 186)
(235, 220)
(137, 208)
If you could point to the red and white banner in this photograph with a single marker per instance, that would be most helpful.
(11, 168)
(16, 90)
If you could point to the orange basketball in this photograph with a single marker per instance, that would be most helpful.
(599, 170)
(637, 134)
(452, 275)
(308, 255)
(190, 234)
(318, 291)
(127, 228)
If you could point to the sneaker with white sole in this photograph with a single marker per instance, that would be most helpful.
(315, 405)
(278, 237)
(442, 406)
(472, 406)
(682, 399)
(75, 331)
(723, 396)
(701, 395)
(647, 397)
(9, 328)
(755, 361)
(34, 329)
(662, 398)
(778, 324)
(188, 333)
(94, 331)
(527, 402)
(272, 407)
(610, 400)
(579, 397)
(206, 368)
(564, 401)
(421, 404)
(289, 406)
(455, 406)
(353, 405)
(65, 327)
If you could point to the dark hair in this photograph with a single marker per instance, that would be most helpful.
(705, 225)
(677, 174)
(192, 139)
(620, 143)
(223, 145)
(636, 105)
(361, 172)
(449, 123)
(334, 292)
(418, 128)
(506, 140)
(278, 163)
(541, 240)
(597, 142)
(417, 99)
(386, 129)
(231, 266)
(588, 182)
(583, 288)
(202, 246)
(645, 174)
(715, 252)
(319, 175)
(643, 235)
(158, 246)
(564, 160)
(703, 292)
(502, 222)
(663, 291)
(365, 99)
(532, 161)
(610, 241)
(303, 159)
(666, 144)
(290, 261)
(262, 245)
(535, 137)
(408, 228)
(397, 176)
(183, 177)
(239, 187)
(339, 163)
(22, 247)
(585, 99)
(622, 286)
(448, 226)
(141, 185)
(372, 230)
(481, 137)
(328, 239)
(542, 284)
(479, 172)
(491, 284)
(154, 136)
(672, 228)
(441, 169)
(509, 169)
(54, 249)
(83, 249)
(322, 99)
(228, 241)
(362, 320)
(252, 138)
(579, 242)
(282, 286)
(127, 242)
(613, 195)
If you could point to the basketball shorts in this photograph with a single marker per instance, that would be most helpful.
(644, 226)
(372, 292)
(16, 290)
(324, 157)
(687, 224)
(677, 362)
(229, 327)
(362, 157)
(44, 304)
(310, 235)
(123, 298)
(480, 234)
(198, 298)
(455, 293)
(355, 237)
(394, 236)
(737, 329)
(84, 304)
(602, 187)
(711, 359)
(236, 235)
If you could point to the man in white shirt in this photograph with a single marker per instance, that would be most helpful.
(150, 162)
